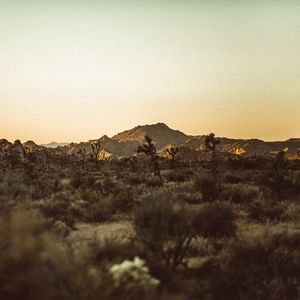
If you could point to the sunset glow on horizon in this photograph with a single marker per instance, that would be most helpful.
(76, 70)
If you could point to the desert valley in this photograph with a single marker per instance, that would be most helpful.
(151, 213)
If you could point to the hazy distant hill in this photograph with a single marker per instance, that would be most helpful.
(54, 144)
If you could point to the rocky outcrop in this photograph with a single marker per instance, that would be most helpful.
(127, 142)
(18, 150)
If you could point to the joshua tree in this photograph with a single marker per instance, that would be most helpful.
(96, 148)
(280, 161)
(82, 153)
(149, 149)
(172, 153)
(211, 143)
(61, 156)
(278, 181)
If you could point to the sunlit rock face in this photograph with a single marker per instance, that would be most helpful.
(31, 146)
(105, 154)
(240, 151)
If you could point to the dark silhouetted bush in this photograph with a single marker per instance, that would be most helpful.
(208, 186)
(260, 267)
(216, 220)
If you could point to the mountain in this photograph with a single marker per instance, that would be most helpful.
(160, 133)
(127, 142)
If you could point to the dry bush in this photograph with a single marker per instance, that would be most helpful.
(266, 266)
(34, 265)
(154, 182)
(239, 194)
(216, 220)
(265, 210)
(208, 186)
(99, 211)
(232, 178)
(164, 228)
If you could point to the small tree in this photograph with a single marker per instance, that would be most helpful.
(96, 148)
(172, 153)
(211, 143)
(149, 149)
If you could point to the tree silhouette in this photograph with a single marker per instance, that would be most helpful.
(82, 154)
(149, 149)
(211, 143)
(96, 148)
(172, 153)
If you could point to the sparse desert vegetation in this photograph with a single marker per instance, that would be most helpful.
(148, 226)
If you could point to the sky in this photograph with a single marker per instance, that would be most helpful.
(76, 70)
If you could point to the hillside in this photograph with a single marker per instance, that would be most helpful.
(127, 142)
(161, 134)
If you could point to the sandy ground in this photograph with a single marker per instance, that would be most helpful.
(120, 230)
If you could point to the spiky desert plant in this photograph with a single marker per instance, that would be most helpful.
(149, 149)
(211, 143)
(172, 153)
(96, 148)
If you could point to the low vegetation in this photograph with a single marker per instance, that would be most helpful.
(211, 229)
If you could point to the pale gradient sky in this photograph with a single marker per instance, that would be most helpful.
(75, 70)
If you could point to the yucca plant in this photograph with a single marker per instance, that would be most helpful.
(211, 143)
(149, 149)
(172, 153)
(96, 148)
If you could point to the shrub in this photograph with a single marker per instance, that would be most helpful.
(123, 201)
(292, 213)
(179, 175)
(260, 267)
(154, 182)
(164, 228)
(208, 186)
(232, 178)
(216, 220)
(36, 265)
(100, 210)
(76, 181)
(58, 207)
(239, 194)
(89, 195)
(135, 179)
(266, 210)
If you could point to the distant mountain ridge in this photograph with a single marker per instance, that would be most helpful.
(54, 145)
(126, 143)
